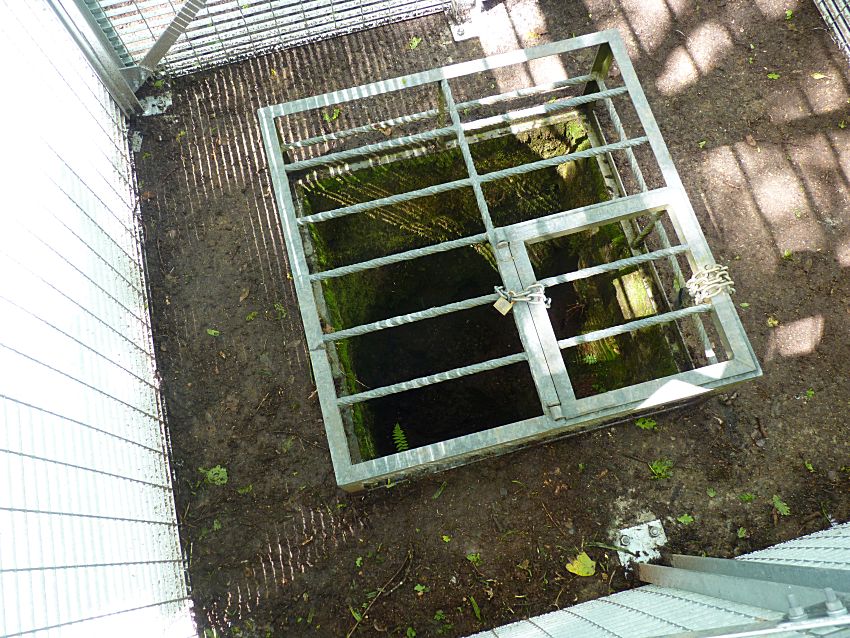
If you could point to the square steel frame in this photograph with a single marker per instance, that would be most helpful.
(562, 412)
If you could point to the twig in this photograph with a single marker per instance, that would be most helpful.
(261, 402)
(554, 522)
(380, 591)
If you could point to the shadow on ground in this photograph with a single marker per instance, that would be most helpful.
(279, 548)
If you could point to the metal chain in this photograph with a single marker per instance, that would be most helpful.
(533, 294)
(709, 282)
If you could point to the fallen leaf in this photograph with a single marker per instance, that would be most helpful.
(818, 76)
(244, 295)
(749, 139)
(146, 196)
(582, 565)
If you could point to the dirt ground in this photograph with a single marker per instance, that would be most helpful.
(279, 551)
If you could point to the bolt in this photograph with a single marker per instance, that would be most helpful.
(795, 612)
(625, 540)
(654, 532)
(834, 607)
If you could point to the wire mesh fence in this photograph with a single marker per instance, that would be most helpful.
(225, 31)
(836, 14)
(88, 537)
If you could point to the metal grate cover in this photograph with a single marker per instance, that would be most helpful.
(562, 412)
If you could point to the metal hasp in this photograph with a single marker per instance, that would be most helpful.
(674, 232)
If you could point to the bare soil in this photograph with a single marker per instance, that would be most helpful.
(280, 551)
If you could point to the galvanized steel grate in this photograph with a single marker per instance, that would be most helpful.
(836, 14)
(562, 411)
(224, 31)
(88, 529)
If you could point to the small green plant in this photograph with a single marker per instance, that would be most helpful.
(216, 525)
(332, 116)
(414, 42)
(772, 322)
(842, 124)
(281, 311)
(789, 14)
(773, 76)
(787, 255)
(744, 305)
(475, 608)
(445, 625)
(474, 558)
(742, 533)
(158, 84)
(589, 359)
(215, 475)
(213, 332)
(685, 519)
(746, 497)
(446, 538)
(661, 469)
(410, 633)
(702, 143)
(421, 589)
(180, 135)
(146, 155)
(245, 490)
(808, 465)
(440, 490)
(358, 562)
(251, 315)
(711, 492)
(780, 506)
(810, 393)
(441, 618)
(400, 438)
(645, 423)
(582, 467)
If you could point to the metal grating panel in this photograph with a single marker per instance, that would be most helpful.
(225, 30)
(88, 536)
(836, 14)
(658, 611)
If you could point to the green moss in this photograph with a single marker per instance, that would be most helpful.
(608, 300)
(384, 292)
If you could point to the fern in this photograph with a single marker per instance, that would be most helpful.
(400, 438)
